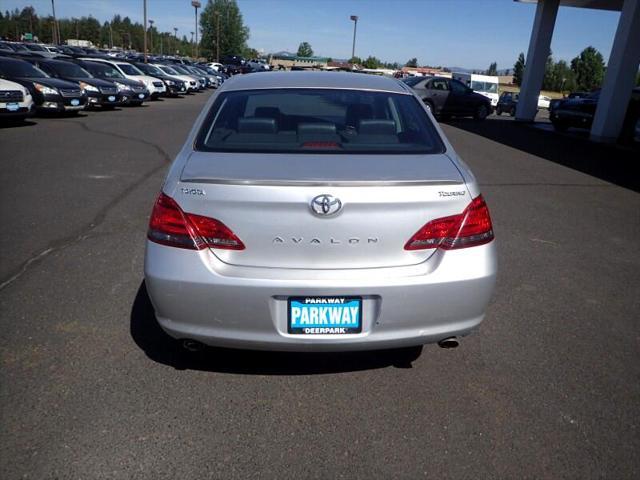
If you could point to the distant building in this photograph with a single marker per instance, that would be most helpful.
(505, 79)
(288, 60)
(425, 71)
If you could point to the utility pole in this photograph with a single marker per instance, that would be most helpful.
(161, 49)
(110, 36)
(355, 26)
(56, 31)
(175, 38)
(217, 14)
(196, 4)
(144, 4)
(151, 37)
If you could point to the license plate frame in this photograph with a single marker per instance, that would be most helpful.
(319, 328)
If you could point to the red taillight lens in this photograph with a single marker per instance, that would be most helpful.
(468, 229)
(169, 225)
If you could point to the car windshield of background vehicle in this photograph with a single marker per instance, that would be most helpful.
(486, 87)
(318, 121)
(129, 69)
(151, 70)
(21, 69)
(411, 81)
(35, 47)
(106, 71)
(71, 70)
(181, 70)
(168, 70)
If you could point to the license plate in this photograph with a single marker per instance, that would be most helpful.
(111, 98)
(13, 107)
(324, 315)
(75, 102)
(141, 95)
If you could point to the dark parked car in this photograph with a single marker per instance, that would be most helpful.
(99, 92)
(447, 97)
(507, 103)
(578, 112)
(175, 86)
(557, 101)
(49, 94)
(72, 51)
(132, 92)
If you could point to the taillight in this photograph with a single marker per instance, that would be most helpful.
(169, 225)
(470, 228)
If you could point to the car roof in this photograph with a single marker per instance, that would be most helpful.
(12, 59)
(332, 80)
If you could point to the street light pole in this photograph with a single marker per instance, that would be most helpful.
(355, 26)
(196, 4)
(192, 45)
(175, 38)
(144, 3)
(217, 14)
(151, 37)
(56, 31)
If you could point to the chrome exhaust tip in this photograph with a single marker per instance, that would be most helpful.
(451, 342)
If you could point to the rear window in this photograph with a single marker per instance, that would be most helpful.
(317, 121)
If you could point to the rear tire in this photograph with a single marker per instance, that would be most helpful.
(481, 113)
(498, 111)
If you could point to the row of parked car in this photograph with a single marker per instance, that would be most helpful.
(577, 110)
(32, 83)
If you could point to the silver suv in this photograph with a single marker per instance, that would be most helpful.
(319, 211)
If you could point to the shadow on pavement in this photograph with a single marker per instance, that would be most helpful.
(161, 348)
(610, 163)
(16, 124)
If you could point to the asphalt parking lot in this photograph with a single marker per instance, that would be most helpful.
(91, 388)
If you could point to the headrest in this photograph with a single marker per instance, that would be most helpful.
(377, 127)
(315, 128)
(257, 125)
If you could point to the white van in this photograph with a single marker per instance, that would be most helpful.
(486, 85)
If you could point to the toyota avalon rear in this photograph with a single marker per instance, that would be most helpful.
(319, 211)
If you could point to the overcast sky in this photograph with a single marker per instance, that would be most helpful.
(464, 33)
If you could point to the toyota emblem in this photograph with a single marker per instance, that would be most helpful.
(325, 205)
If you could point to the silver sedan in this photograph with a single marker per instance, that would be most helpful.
(314, 211)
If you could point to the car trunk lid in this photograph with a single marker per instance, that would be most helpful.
(266, 200)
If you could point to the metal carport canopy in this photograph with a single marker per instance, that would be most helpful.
(621, 68)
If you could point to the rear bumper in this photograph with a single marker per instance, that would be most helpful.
(196, 296)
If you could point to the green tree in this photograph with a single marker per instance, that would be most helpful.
(355, 60)
(549, 78)
(412, 62)
(493, 69)
(233, 32)
(518, 69)
(564, 77)
(371, 62)
(305, 50)
(588, 68)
